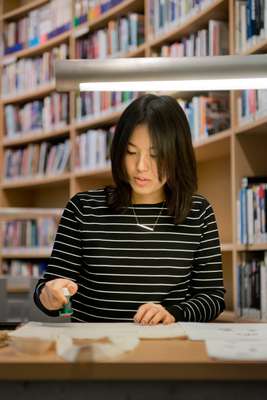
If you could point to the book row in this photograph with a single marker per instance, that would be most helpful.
(212, 41)
(120, 36)
(54, 18)
(38, 26)
(21, 268)
(87, 10)
(81, 11)
(47, 114)
(37, 232)
(94, 104)
(94, 9)
(251, 105)
(250, 23)
(52, 112)
(252, 287)
(252, 210)
(37, 160)
(165, 14)
(207, 115)
(93, 149)
(27, 74)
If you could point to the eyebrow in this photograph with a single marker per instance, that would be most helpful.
(132, 144)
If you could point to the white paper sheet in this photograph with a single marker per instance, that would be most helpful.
(98, 330)
(225, 331)
(237, 350)
(95, 351)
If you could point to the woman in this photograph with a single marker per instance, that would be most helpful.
(146, 250)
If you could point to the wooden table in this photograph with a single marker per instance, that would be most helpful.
(156, 368)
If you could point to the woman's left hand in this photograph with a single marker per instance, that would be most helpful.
(152, 314)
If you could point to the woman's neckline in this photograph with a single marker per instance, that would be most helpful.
(147, 204)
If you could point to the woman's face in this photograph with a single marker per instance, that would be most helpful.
(141, 168)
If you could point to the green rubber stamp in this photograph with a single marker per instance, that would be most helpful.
(66, 311)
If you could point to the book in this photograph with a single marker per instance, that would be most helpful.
(247, 181)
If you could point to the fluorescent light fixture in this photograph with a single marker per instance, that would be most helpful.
(223, 84)
(163, 74)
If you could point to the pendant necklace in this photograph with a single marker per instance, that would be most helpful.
(148, 228)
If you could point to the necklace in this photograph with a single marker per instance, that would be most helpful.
(145, 226)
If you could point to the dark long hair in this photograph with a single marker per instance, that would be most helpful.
(170, 135)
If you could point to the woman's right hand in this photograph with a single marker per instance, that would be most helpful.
(52, 297)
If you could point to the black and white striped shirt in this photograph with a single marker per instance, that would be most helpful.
(119, 266)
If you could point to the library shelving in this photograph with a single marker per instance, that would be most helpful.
(223, 158)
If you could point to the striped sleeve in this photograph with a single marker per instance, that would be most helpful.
(206, 299)
(65, 259)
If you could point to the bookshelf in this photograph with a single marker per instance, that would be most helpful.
(223, 158)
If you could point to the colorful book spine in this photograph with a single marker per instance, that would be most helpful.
(207, 115)
(27, 74)
(47, 114)
(37, 160)
(38, 26)
(251, 286)
(21, 268)
(118, 38)
(164, 14)
(92, 149)
(251, 105)
(212, 41)
(97, 7)
(252, 210)
(250, 23)
(29, 233)
(90, 105)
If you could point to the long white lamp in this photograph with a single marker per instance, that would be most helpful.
(163, 73)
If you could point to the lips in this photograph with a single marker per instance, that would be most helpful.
(141, 181)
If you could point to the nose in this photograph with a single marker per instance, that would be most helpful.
(142, 163)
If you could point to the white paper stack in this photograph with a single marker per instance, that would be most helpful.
(231, 341)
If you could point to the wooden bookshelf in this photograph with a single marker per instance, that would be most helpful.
(36, 136)
(227, 247)
(212, 147)
(98, 173)
(222, 158)
(22, 10)
(25, 253)
(37, 93)
(38, 49)
(217, 9)
(255, 127)
(259, 47)
(115, 12)
(7, 213)
(252, 247)
(47, 181)
(106, 119)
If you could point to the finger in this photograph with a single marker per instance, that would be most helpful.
(169, 319)
(70, 285)
(149, 315)
(159, 317)
(73, 287)
(59, 284)
(62, 282)
(141, 311)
